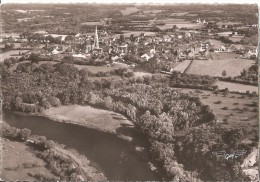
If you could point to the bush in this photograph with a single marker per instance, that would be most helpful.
(218, 102)
(245, 109)
(225, 108)
(255, 110)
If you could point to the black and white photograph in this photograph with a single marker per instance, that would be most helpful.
(129, 91)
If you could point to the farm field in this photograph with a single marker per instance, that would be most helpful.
(8, 54)
(20, 163)
(129, 10)
(180, 23)
(236, 39)
(233, 67)
(94, 69)
(135, 33)
(141, 74)
(225, 34)
(236, 87)
(233, 110)
(182, 66)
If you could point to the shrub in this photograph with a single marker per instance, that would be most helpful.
(225, 108)
(246, 109)
(218, 102)
(255, 110)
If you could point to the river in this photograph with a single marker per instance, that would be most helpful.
(115, 157)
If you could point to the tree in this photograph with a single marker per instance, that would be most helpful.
(68, 59)
(108, 102)
(24, 134)
(226, 92)
(224, 73)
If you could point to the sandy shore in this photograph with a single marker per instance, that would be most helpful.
(90, 117)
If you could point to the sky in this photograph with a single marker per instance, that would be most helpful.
(133, 1)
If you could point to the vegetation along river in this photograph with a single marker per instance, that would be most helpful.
(115, 157)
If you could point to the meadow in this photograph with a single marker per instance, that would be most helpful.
(90, 117)
(233, 67)
(20, 163)
(232, 110)
(236, 87)
(182, 66)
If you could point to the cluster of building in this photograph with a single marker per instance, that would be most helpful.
(170, 46)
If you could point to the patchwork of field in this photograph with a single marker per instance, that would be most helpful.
(20, 163)
(233, 67)
(232, 110)
(180, 23)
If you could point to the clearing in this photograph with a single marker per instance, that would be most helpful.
(90, 117)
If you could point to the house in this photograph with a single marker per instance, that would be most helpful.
(252, 52)
(167, 38)
(180, 36)
(204, 47)
(122, 49)
(146, 57)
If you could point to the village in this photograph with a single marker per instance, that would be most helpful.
(169, 48)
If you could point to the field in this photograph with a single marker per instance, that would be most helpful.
(95, 69)
(135, 33)
(8, 54)
(89, 117)
(180, 23)
(129, 10)
(233, 67)
(225, 34)
(20, 163)
(236, 87)
(233, 110)
(182, 66)
(236, 39)
(141, 74)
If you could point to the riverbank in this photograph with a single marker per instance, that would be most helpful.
(22, 162)
(127, 160)
(103, 120)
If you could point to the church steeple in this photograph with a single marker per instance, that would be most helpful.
(96, 43)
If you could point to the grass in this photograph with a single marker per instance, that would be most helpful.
(236, 87)
(182, 66)
(19, 163)
(95, 69)
(232, 107)
(9, 53)
(214, 67)
(89, 117)
(129, 10)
